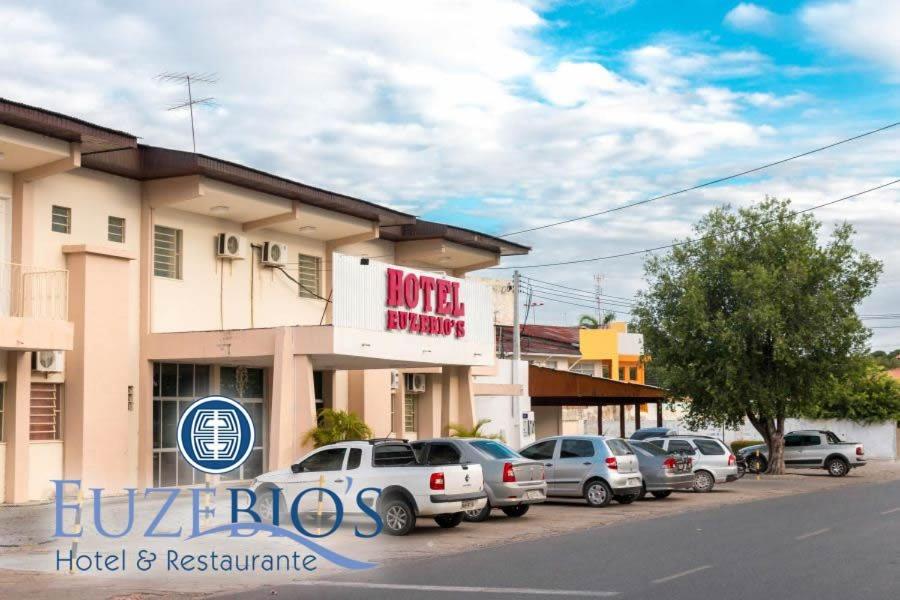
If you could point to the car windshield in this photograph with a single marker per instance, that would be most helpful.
(495, 449)
(648, 448)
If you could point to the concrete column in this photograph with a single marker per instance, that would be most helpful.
(659, 414)
(17, 419)
(466, 397)
(339, 391)
(599, 419)
(304, 405)
(398, 397)
(449, 398)
(369, 394)
(637, 417)
(281, 409)
(430, 422)
(621, 420)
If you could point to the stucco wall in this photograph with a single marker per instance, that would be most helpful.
(45, 460)
(2, 470)
(501, 410)
(215, 293)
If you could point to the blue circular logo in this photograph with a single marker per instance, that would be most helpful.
(215, 434)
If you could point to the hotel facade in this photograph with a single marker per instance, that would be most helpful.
(135, 279)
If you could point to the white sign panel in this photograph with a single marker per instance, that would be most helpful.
(430, 313)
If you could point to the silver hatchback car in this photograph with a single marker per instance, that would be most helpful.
(713, 461)
(512, 483)
(596, 468)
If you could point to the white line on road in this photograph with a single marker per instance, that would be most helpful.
(812, 534)
(682, 574)
(893, 510)
(458, 589)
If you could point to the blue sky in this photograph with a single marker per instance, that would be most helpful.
(504, 114)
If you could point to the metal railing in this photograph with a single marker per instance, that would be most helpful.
(34, 292)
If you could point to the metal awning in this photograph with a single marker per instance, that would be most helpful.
(552, 387)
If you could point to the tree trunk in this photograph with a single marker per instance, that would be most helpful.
(775, 442)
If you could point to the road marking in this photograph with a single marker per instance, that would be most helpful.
(682, 574)
(893, 510)
(812, 534)
(459, 589)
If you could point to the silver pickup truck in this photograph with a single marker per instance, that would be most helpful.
(810, 449)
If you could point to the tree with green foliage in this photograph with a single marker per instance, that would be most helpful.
(865, 394)
(753, 317)
(457, 430)
(337, 426)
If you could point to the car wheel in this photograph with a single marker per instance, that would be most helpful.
(597, 493)
(515, 511)
(477, 515)
(704, 481)
(837, 467)
(757, 464)
(662, 494)
(265, 506)
(398, 517)
(626, 499)
(449, 521)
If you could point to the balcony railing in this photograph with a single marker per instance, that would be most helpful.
(33, 292)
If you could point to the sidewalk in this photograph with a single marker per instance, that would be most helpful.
(27, 560)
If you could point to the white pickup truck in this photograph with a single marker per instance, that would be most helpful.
(408, 489)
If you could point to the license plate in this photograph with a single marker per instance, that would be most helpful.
(533, 495)
(468, 504)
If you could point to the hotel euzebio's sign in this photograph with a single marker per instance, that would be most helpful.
(442, 312)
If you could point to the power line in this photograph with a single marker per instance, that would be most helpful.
(568, 288)
(706, 183)
(676, 244)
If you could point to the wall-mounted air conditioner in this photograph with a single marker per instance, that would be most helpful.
(48, 361)
(274, 254)
(230, 245)
(415, 382)
(395, 379)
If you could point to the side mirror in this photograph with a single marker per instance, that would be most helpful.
(297, 468)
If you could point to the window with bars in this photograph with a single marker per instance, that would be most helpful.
(166, 252)
(583, 368)
(410, 412)
(308, 275)
(61, 219)
(46, 412)
(115, 229)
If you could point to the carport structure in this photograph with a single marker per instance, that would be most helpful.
(552, 387)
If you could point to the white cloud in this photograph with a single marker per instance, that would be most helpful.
(747, 16)
(866, 29)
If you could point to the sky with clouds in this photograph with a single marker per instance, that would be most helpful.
(500, 115)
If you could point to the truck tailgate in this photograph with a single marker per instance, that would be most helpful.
(461, 479)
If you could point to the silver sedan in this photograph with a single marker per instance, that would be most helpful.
(663, 472)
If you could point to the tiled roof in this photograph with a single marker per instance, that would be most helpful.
(534, 340)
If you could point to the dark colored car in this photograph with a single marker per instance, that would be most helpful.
(651, 432)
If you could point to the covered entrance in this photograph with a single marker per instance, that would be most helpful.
(552, 387)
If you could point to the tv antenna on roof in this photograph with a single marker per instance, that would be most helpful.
(188, 79)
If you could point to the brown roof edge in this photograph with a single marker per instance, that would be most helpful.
(423, 230)
(552, 383)
(93, 138)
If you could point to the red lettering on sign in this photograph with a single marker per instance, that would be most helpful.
(395, 287)
(438, 296)
(411, 291)
(393, 321)
(459, 309)
(427, 284)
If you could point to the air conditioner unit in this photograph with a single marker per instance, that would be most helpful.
(230, 245)
(274, 254)
(415, 382)
(48, 361)
(395, 379)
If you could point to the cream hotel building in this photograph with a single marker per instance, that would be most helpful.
(135, 279)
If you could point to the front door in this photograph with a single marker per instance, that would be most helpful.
(576, 458)
(322, 469)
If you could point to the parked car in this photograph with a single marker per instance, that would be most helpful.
(597, 468)
(713, 461)
(645, 433)
(408, 489)
(663, 472)
(810, 449)
(512, 482)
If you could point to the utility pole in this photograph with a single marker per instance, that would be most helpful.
(598, 290)
(517, 355)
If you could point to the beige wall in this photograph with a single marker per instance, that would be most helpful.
(46, 463)
(215, 293)
(2, 471)
(547, 421)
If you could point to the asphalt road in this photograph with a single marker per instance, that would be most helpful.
(840, 544)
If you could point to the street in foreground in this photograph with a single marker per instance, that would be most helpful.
(797, 547)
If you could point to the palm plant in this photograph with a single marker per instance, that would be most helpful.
(589, 322)
(337, 426)
(457, 430)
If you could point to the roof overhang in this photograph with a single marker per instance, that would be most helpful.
(551, 387)
(428, 230)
